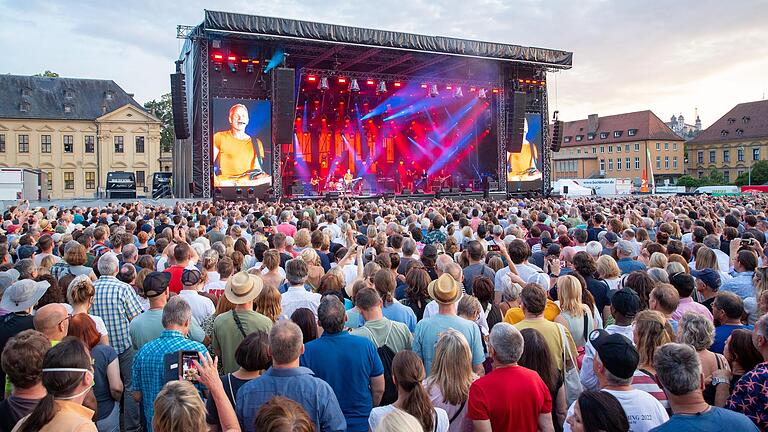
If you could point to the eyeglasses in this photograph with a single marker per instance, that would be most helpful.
(69, 317)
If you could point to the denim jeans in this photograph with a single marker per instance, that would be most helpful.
(111, 423)
(130, 413)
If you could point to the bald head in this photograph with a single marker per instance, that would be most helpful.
(442, 263)
(51, 320)
(454, 270)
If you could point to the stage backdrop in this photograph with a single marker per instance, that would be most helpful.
(242, 143)
(524, 167)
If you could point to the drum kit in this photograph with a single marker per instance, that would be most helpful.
(343, 186)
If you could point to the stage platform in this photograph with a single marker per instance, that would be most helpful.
(456, 196)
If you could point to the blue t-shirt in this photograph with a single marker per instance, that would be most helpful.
(346, 363)
(721, 335)
(428, 332)
(714, 420)
(102, 355)
(396, 311)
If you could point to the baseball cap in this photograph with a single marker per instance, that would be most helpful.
(617, 353)
(156, 283)
(191, 277)
(610, 237)
(553, 249)
(710, 277)
(625, 301)
(25, 251)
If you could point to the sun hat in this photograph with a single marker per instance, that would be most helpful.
(23, 294)
(7, 278)
(445, 289)
(242, 288)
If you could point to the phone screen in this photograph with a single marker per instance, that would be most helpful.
(188, 370)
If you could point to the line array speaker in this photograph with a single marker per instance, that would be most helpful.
(179, 106)
(516, 123)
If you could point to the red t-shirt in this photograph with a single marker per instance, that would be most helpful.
(175, 284)
(512, 398)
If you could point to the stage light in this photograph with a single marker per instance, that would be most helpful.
(433, 91)
(249, 68)
(238, 191)
(311, 78)
(218, 56)
(354, 86)
(482, 94)
(323, 84)
(232, 58)
(495, 90)
(382, 88)
(244, 60)
(472, 89)
(398, 84)
(424, 85)
(342, 80)
(401, 162)
(251, 191)
(458, 93)
(255, 61)
(370, 82)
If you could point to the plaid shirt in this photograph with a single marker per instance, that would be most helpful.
(117, 304)
(149, 367)
(58, 269)
(99, 249)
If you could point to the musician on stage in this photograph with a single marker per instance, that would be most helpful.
(398, 188)
(348, 177)
(315, 182)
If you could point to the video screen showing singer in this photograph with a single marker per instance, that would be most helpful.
(238, 158)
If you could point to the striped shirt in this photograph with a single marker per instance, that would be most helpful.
(647, 383)
(117, 304)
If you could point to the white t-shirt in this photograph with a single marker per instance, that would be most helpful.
(644, 412)
(202, 307)
(100, 326)
(378, 413)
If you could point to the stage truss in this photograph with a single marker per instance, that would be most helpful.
(205, 122)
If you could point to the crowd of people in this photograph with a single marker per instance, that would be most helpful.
(638, 314)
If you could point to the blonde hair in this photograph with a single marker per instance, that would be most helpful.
(706, 258)
(179, 408)
(268, 303)
(451, 368)
(658, 260)
(80, 291)
(469, 307)
(399, 421)
(607, 267)
(651, 331)
(310, 257)
(570, 295)
(302, 238)
(46, 264)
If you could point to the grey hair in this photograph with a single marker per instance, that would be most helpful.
(761, 326)
(696, 330)
(176, 312)
(507, 343)
(108, 264)
(25, 267)
(129, 251)
(409, 246)
(331, 314)
(511, 290)
(594, 248)
(611, 378)
(285, 341)
(677, 368)
(625, 247)
(658, 275)
(296, 271)
(220, 248)
(675, 267)
(712, 241)
(210, 258)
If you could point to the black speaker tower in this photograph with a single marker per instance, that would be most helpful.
(179, 105)
(557, 133)
(284, 100)
(516, 122)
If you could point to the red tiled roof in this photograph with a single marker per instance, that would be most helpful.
(751, 118)
(648, 125)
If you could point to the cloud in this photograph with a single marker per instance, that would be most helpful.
(670, 57)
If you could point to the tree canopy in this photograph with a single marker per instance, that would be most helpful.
(162, 110)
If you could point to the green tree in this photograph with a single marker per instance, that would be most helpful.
(162, 110)
(715, 178)
(688, 181)
(48, 74)
(759, 174)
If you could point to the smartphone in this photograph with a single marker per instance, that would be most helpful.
(188, 371)
(494, 248)
(747, 241)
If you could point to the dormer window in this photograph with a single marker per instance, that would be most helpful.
(617, 134)
(632, 132)
(109, 95)
(603, 135)
(26, 92)
(69, 94)
(24, 107)
(745, 119)
(723, 132)
(68, 108)
(579, 137)
(739, 132)
(567, 139)
(590, 136)
(731, 120)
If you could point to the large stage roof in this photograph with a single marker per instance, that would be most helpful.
(253, 26)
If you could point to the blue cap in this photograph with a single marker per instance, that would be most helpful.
(710, 277)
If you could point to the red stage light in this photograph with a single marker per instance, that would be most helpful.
(527, 81)
(218, 56)
(495, 90)
(397, 84)
(370, 82)
(449, 87)
(311, 78)
(342, 80)
(472, 89)
(521, 80)
(232, 58)
(541, 83)
(401, 162)
(423, 86)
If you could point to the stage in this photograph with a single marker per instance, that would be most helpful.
(272, 107)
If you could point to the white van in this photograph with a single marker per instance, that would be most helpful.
(719, 190)
(566, 187)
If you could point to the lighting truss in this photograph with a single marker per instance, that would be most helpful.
(398, 77)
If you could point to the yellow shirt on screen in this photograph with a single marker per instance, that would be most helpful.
(236, 156)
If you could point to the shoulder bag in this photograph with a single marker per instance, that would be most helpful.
(571, 379)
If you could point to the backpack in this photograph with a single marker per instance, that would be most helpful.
(386, 354)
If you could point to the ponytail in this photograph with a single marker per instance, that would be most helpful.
(409, 373)
(40, 416)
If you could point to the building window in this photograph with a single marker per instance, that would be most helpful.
(618, 164)
(726, 155)
(567, 139)
(602, 165)
(119, 145)
(739, 173)
(658, 146)
(700, 157)
(626, 148)
(610, 164)
(666, 162)
(629, 164)
(140, 144)
(674, 146)
(603, 135)
(67, 108)
(658, 162)
(610, 149)
(637, 147)
(140, 179)
(69, 143)
(90, 180)
(578, 151)
(49, 180)
(617, 134)
(755, 153)
(89, 144)
(740, 154)
(618, 148)
(69, 180)
(637, 163)
(602, 149)
(594, 150)
(23, 143)
(632, 132)
(701, 174)
(727, 176)
(711, 156)
(579, 137)
(45, 143)
(2, 143)
(590, 136)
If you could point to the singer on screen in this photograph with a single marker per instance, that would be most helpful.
(235, 154)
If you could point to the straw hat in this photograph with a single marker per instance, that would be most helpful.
(445, 289)
(243, 287)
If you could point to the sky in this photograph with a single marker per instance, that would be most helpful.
(670, 57)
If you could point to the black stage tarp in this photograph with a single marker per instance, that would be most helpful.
(320, 32)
